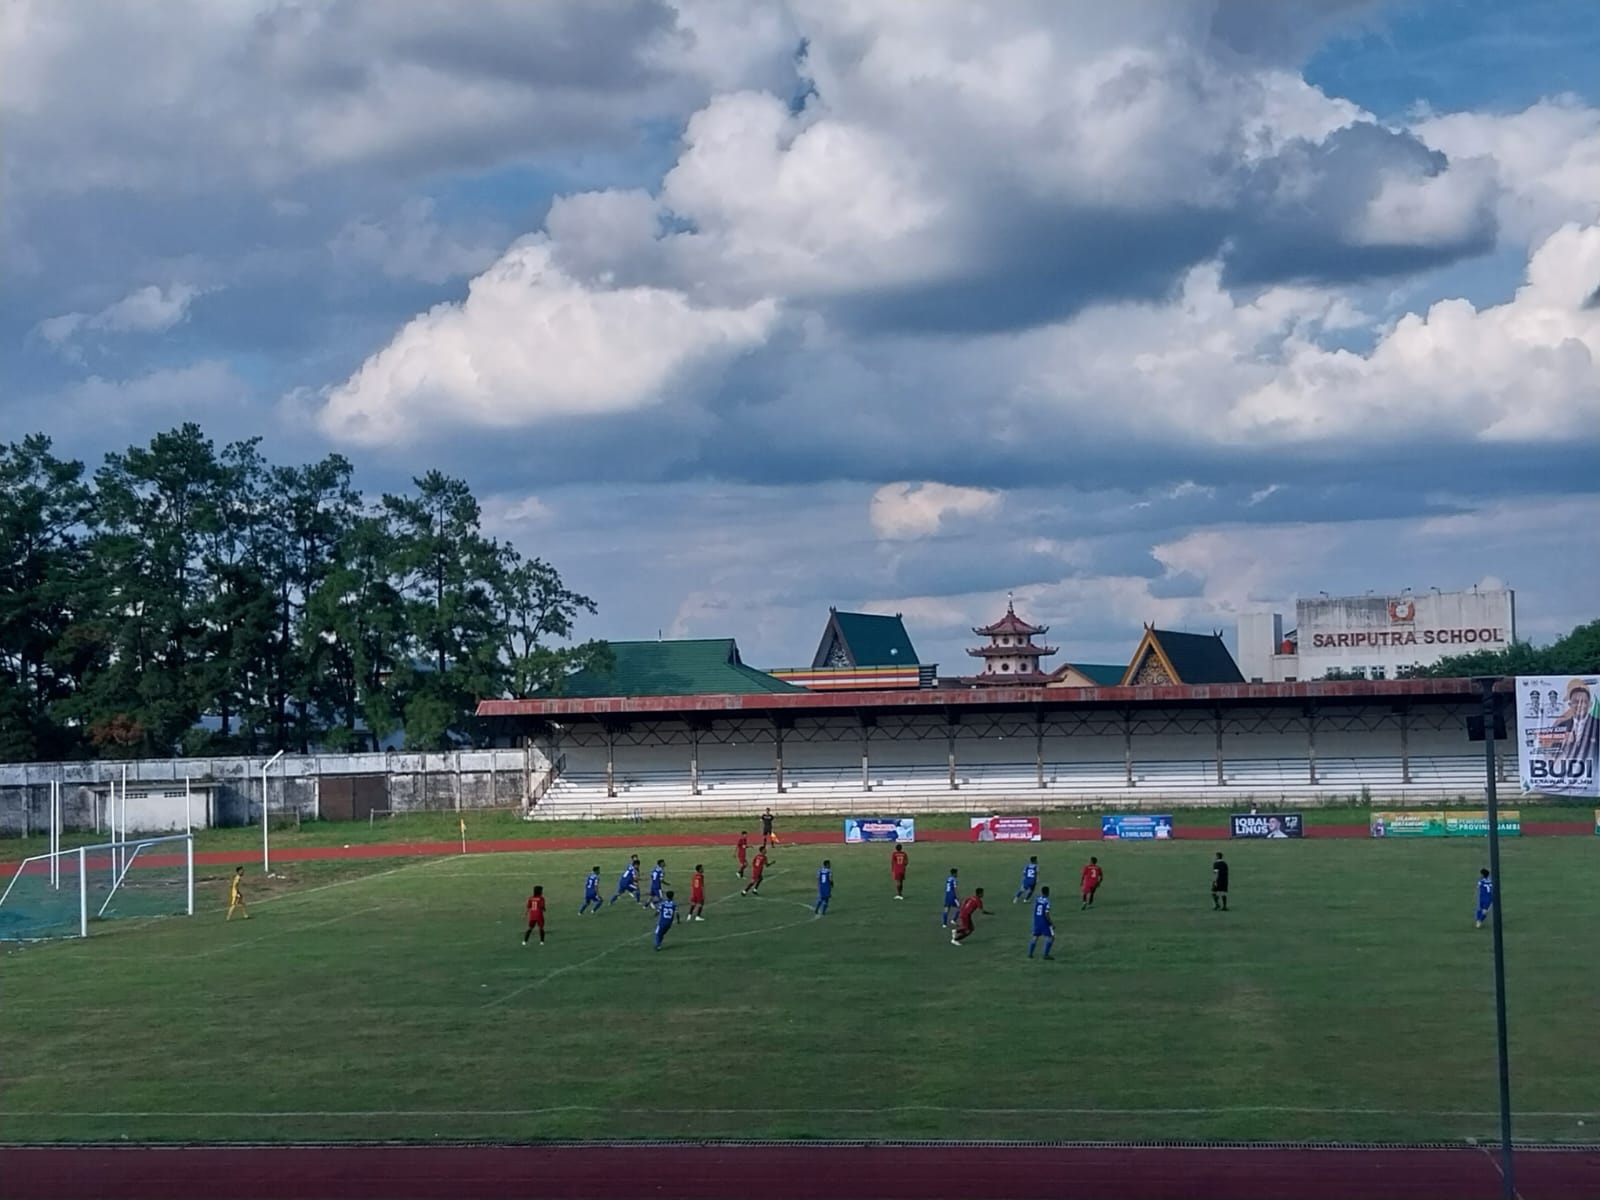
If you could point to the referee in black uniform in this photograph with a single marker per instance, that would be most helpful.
(1219, 883)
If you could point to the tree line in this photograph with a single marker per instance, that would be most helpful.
(187, 600)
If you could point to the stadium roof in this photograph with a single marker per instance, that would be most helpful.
(799, 702)
(690, 667)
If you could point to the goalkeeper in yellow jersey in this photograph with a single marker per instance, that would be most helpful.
(236, 895)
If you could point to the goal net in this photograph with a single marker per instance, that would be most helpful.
(62, 894)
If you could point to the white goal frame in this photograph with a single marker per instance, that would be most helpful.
(116, 858)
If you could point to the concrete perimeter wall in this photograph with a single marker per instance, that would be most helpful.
(228, 791)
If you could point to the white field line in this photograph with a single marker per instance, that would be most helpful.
(649, 933)
(276, 932)
(1231, 1110)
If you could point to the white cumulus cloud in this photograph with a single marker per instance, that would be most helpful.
(906, 511)
(530, 344)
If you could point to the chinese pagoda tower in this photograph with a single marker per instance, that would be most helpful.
(1011, 657)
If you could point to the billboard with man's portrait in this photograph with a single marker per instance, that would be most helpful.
(1558, 734)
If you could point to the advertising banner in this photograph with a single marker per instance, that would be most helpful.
(1006, 829)
(1558, 734)
(1136, 829)
(1268, 825)
(1443, 824)
(880, 829)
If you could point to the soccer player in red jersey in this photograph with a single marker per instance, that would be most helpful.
(897, 868)
(758, 866)
(970, 908)
(744, 851)
(535, 915)
(1092, 875)
(697, 894)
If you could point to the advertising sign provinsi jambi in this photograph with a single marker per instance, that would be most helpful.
(1558, 734)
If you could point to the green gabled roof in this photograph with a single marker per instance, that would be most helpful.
(869, 640)
(1104, 674)
(1198, 657)
(690, 667)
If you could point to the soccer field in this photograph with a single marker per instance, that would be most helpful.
(1346, 996)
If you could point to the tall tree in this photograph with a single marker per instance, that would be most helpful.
(533, 606)
(354, 638)
(446, 570)
(45, 507)
(159, 505)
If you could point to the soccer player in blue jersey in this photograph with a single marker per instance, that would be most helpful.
(665, 915)
(1485, 895)
(628, 885)
(824, 888)
(658, 881)
(1030, 880)
(952, 897)
(1043, 926)
(591, 892)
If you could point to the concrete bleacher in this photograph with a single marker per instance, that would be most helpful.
(643, 794)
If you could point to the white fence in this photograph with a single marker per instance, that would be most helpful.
(184, 793)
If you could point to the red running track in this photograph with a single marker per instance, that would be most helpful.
(786, 1172)
(228, 858)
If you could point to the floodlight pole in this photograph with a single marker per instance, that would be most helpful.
(1486, 686)
(266, 864)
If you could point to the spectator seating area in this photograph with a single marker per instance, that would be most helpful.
(926, 788)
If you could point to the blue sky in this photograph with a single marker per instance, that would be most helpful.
(734, 311)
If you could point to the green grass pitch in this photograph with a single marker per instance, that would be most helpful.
(1346, 996)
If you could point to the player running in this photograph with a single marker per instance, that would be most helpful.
(1043, 926)
(970, 907)
(658, 882)
(897, 871)
(1092, 878)
(952, 897)
(628, 885)
(665, 915)
(1485, 896)
(758, 867)
(1030, 880)
(236, 895)
(1219, 883)
(743, 849)
(697, 894)
(535, 915)
(824, 889)
(591, 892)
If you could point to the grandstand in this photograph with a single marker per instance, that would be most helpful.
(1031, 748)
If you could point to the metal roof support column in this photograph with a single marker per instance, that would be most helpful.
(866, 757)
(1038, 745)
(1222, 775)
(1311, 743)
(1405, 744)
(611, 763)
(950, 742)
(694, 758)
(1127, 748)
(777, 743)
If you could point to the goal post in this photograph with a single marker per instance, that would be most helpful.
(57, 895)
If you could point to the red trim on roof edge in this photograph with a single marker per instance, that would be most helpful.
(975, 697)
